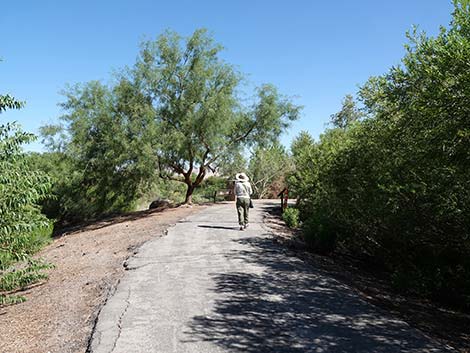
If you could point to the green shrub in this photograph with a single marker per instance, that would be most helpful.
(395, 187)
(102, 154)
(291, 217)
(319, 234)
(205, 191)
(11, 299)
(23, 228)
(19, 278)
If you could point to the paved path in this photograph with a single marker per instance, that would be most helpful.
(208, 287)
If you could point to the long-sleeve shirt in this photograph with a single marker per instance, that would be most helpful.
(243, 189)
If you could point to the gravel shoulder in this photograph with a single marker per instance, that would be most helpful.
(60, 313)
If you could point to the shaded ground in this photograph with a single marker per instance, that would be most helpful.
(447, 325)
(209, 288)
(60, 313)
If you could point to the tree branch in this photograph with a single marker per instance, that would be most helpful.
(167, 176)
(243, 136)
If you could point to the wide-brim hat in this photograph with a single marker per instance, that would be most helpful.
(241, 177)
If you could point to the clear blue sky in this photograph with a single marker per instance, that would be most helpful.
(315, 50)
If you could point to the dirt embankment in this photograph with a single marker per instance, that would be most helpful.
(59, 314)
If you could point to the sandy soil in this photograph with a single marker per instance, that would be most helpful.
(59, 314)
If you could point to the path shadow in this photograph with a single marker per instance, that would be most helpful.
(106, 221)
(290, 307)
(218, 227)
(447, 324)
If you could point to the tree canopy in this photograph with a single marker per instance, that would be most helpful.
(177, 114)
(105, 147)
(347, 115)
(199, 115)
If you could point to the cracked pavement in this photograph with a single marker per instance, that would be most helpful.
(207, 287)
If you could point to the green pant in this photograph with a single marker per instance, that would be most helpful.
(243, 206)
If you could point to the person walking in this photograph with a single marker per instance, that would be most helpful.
(242, 192)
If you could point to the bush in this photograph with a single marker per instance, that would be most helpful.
(395, 187)
(205, 191)
(319, 234)
(291, 217)
(23, 229)
(103, 153)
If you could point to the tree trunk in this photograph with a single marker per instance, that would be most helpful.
(189, 195)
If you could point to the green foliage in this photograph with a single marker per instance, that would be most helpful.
(199, 116)
(267, 169)
(8, 102)
(11, 299)
(347, 115)
(103, 156)
(320, 233)
(210, 185)
(232, 163)
(21, 188)
(175, 115)
(160, 189)
(21, 278)
(291, 217)
(303, 176)
(395, 187)
(58, 205)
(175, 191)
(23, 229)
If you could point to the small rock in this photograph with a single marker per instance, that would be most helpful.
(160, 204)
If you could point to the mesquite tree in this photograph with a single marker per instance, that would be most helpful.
(104, 149)
(199, 116)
